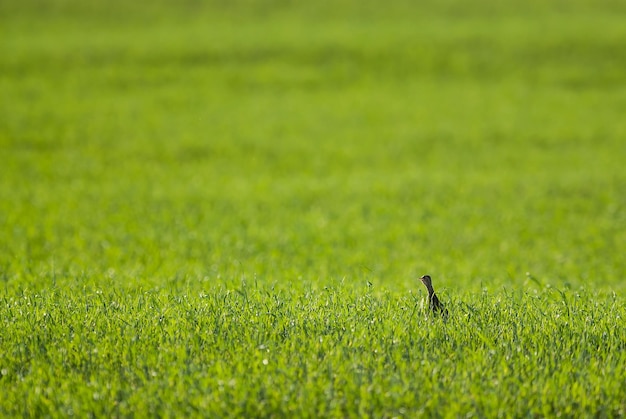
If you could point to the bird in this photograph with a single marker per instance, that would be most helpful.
(433, 301)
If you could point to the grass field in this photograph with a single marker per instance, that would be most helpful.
(222, 208)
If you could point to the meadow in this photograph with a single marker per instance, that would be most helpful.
(221, 209)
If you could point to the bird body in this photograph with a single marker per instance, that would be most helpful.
(433, 301)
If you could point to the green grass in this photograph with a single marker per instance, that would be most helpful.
(221, 209)
(257, 351)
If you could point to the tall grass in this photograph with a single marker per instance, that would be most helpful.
(335, 351)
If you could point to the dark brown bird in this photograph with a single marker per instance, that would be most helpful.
(433, 302)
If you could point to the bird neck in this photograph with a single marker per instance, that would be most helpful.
(430, 289)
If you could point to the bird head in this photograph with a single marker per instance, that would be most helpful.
(426, 280)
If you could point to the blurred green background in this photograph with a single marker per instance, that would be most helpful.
(285, 142)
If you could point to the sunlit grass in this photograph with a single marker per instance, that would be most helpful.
(222, 210)
(346, 351)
